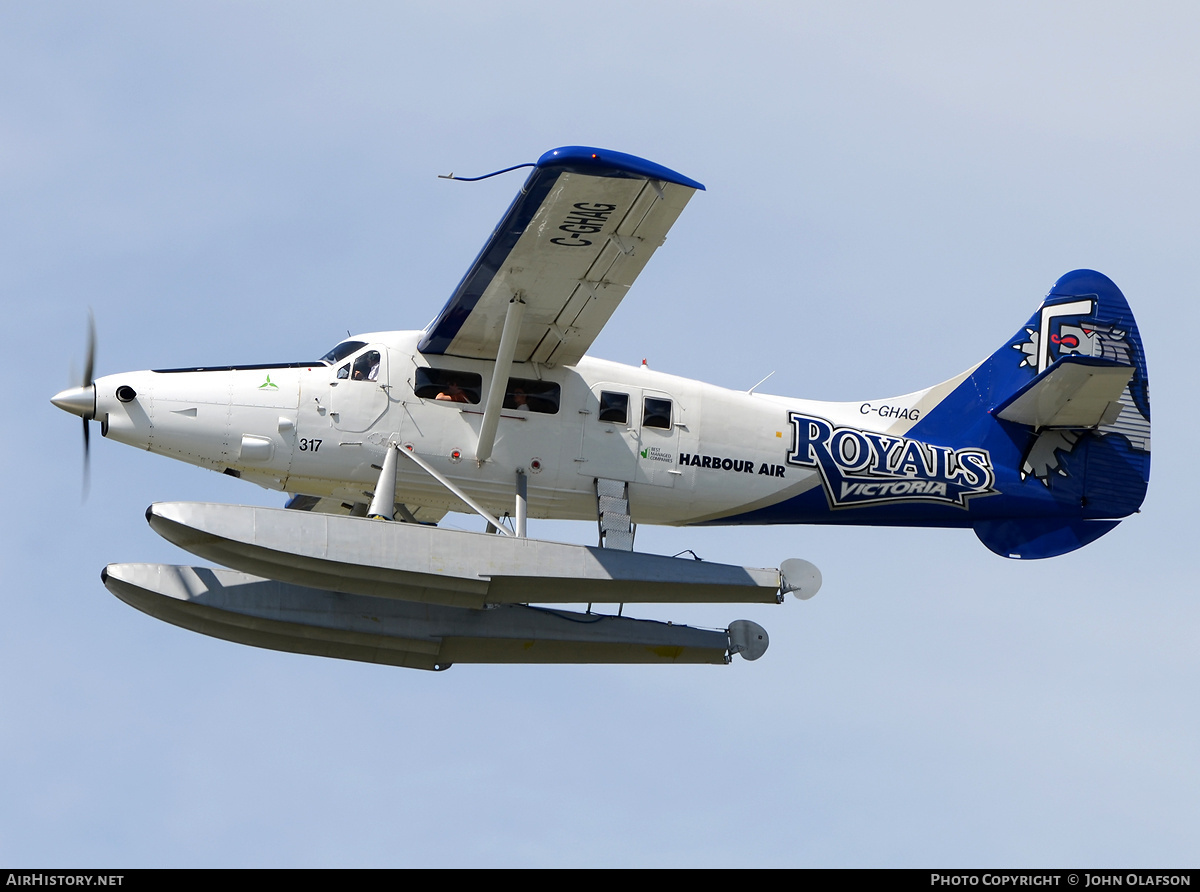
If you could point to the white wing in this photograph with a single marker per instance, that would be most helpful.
(581, 229)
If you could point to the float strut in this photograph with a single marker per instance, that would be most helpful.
(522, 501)
(470, 502)
(383, 503)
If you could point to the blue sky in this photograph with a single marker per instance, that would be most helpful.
(891, 190)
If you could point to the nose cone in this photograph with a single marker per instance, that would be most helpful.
(79, 401)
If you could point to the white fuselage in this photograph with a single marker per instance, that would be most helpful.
(304, 430)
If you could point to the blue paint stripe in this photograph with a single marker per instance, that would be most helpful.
(568, 159)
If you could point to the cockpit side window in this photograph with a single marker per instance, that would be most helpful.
(366, 367)
(530, 395)
(614, 407)
(447, 385)
(656, 413)
(344, 372)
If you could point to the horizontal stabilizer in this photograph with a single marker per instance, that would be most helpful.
(1075, 392)
(413, 562)
(246, 609)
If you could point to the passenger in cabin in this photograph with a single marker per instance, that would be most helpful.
(452, 394)
(520, 400)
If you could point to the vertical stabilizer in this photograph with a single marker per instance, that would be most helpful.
(1070, 394)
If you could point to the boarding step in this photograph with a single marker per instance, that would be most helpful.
(612, 514)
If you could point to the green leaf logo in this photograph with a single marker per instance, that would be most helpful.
(645, 452)
(268, 384)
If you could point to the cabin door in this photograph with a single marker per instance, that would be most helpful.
(359, 390)
(629, 434)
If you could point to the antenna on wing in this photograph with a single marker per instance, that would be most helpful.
(451, 176)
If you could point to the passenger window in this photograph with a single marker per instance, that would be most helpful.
(614, 407)
(446, 385)
(366, 367)
(529, 395)
(656, 413)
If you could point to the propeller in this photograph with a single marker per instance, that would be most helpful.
(89, 366)
(81, 400)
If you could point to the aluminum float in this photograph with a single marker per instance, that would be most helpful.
(411, 562)
(247, 609)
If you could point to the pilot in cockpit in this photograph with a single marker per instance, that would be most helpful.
(366, 367)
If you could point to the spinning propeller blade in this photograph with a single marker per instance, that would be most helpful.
(81, 400)
(89, 362)
(89, 366)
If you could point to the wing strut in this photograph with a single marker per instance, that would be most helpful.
(504, 358)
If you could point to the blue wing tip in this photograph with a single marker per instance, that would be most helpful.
(605, 162)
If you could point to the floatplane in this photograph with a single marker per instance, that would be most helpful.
(495, 408)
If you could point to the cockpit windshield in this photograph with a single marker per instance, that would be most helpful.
(342, 350)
